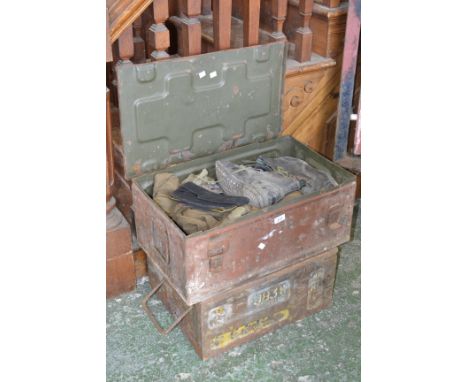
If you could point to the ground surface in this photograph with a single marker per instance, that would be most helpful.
(322, 347)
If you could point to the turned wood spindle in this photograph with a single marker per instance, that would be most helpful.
(279, 10)
(159, 31)
(251, 19)
(303, 38)
(138, 41)
(222, 24)
(189, 27)
(126, 49)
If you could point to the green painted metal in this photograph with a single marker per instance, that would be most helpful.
(185, 108)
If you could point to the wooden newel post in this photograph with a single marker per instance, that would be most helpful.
(303, 38)
(251, 18)
(159, 32)
(279, 10)
(222, 10)
(126, 49)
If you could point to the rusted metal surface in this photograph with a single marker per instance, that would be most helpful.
(348, 72)
(205, 263)
(256, 308)
(183, 115)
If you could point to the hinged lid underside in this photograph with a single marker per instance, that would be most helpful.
(176, 110)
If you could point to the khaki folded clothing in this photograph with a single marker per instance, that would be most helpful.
(190, 220)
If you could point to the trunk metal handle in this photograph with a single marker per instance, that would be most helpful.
(153, 318)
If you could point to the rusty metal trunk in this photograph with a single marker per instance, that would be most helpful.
(258, 307)
(206, 263)
(182, 115)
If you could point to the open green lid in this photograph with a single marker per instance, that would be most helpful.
(179, 109)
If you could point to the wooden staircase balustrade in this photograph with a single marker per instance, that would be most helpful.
(303, 34)
(138, 41)
(251, 19)
(122, 14)
(158, 33)
(279, 10)
(188, 27)
(222, 10)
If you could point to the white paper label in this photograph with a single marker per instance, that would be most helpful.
(202, 74)
(213, 74)
(261, 246)
(279, 219)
